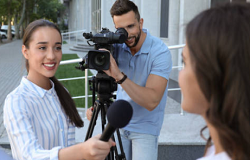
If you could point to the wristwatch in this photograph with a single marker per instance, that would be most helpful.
(123, 79)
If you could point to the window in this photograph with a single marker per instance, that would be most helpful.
(164, 18)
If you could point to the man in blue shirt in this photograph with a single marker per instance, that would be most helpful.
(146, 62)
(142, 72)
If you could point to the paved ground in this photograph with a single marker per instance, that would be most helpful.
(12, 68)
(177, 129)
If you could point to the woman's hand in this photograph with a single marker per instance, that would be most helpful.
(92, 149)
(89, 113)
(95, 149)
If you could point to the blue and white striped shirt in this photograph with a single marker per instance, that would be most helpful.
(36, 124)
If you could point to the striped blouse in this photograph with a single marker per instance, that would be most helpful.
(36, 124)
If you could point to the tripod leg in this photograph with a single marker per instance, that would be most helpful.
(122, 156)
(92, 122)
(103, 115)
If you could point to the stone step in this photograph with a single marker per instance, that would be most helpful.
(180, 152)
(78, 50)
(81, 47)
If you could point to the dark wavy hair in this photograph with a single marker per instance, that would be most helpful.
(63, 95)
(121, 7)
(219, 46)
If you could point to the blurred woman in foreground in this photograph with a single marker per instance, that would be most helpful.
(216, 79)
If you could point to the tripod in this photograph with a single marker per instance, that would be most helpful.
(104, 85)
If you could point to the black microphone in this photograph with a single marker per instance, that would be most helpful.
(119, 114)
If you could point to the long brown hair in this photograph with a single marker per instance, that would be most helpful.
(66, 101)
(219, 45)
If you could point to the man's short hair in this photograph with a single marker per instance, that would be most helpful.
(121, 7)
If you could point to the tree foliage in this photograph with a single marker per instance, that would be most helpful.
(22, 12)
(49, 9)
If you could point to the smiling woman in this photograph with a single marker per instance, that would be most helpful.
(43, 55)
(39, 115)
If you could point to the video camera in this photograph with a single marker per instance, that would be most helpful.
(100, 59)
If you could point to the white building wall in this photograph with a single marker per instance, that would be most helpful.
(80, 15)
(173, 28)
(150, 11)
(188, 9)
(86, 9)
(180, 13)
(71, 15)
(106, 19)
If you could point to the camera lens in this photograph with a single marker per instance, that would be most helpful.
(99, 59)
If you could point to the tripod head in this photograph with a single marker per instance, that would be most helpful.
(104, 85)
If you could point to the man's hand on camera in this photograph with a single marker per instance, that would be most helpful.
(114, 71)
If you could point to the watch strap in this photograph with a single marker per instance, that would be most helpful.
(123, 79)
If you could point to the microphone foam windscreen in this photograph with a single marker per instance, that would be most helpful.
(119, 113)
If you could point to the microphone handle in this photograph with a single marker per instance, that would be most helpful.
(107, 133)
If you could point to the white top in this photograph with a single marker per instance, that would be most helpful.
(210, 155)
(36, 124)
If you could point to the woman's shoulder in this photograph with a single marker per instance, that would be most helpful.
(23, 91)
(18, 91)
(18, 97)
